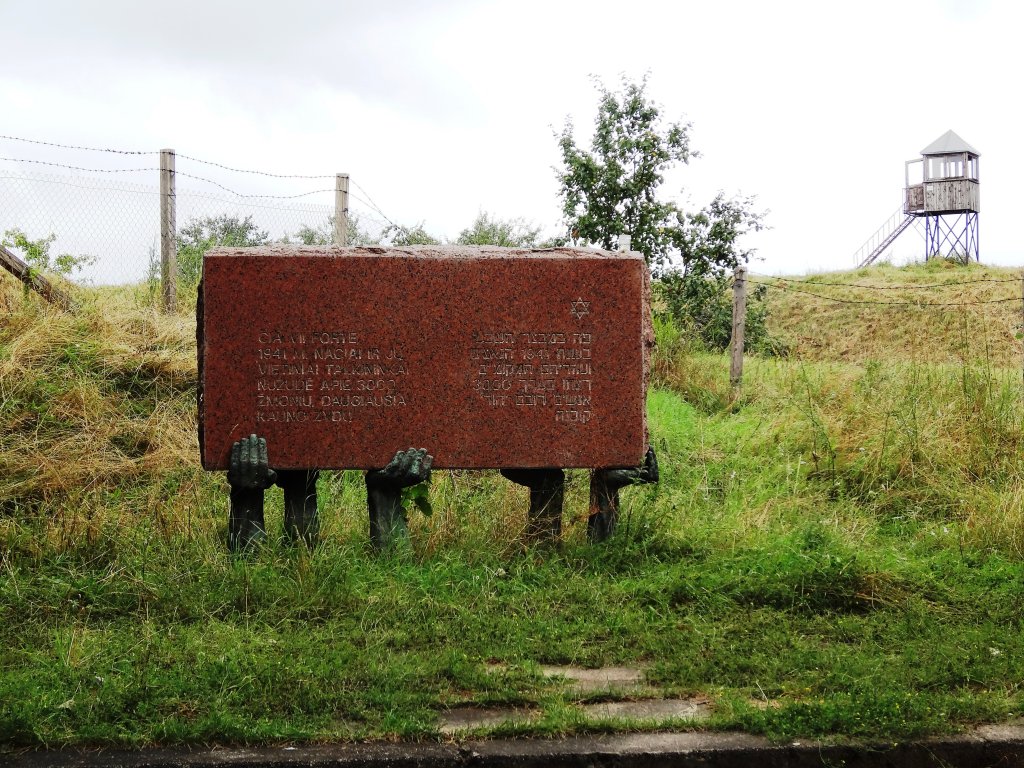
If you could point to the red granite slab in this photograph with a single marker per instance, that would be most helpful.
(487, 357)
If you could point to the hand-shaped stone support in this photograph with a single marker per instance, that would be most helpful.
(301, 520)
(384, 494)
(249, 474)
(547, 492)
(604, 494)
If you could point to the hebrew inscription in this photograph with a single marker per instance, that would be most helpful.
(544, 370)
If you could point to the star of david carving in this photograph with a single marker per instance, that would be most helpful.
(580, 308)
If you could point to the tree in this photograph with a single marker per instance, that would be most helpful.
(509, 233)
(324, 234)
(38, 257)
(200, 235)
(392, 234)
(612, 190)
(416, 235)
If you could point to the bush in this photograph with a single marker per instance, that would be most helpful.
(702, 307)
(200, 235)
(37, 254)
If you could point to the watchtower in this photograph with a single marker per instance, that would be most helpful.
(942, 188)
(947, 196)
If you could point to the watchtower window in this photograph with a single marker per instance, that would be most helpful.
(945, 167)
(972, 167)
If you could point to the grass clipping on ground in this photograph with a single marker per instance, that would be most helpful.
(835, 551)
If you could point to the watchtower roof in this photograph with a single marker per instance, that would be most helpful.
(947, 144)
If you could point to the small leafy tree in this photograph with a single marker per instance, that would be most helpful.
(612, 189)
(509, 233)
(307, 235)
(416, 235)
(393, 234)
(37, 254)
(324, 234)
(200, 235)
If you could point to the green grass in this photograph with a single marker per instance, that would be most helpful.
(837, 552)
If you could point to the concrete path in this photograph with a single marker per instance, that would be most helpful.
(622, 695)
(987, 746)
(642, 703)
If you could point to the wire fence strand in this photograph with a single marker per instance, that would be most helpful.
(906, 286)
(94, 211)
(111, 214)
(77, 167)
(789, 287)
(255, 173)
(80, 148)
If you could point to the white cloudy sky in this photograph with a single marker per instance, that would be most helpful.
(440, 109)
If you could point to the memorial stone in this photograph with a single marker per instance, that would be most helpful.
(489, 357)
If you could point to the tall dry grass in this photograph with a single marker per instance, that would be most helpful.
(912, 416)
(98, 418)
(97, 413)
(827, 330)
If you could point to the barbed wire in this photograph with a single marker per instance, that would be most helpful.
(176, 173)
(249, 197)
(835, 300)
(72, 181)
(905, 287)
(256, 173)
(212, 197)
(86, 149)
(369, 202)
(76, 167)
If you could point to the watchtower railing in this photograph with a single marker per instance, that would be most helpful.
(884, 234)
(914, 200)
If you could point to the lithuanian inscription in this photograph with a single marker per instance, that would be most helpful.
(323, 376)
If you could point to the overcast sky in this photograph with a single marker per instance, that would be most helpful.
(439, 110)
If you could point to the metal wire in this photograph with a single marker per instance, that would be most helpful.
(905, 287)
(834, 300)
(86, 149)
(369, 202)
(115, 222)
(245, 196)
(254, 173)
(76, 167)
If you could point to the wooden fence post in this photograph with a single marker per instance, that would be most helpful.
(341, 209)
(32, 279)
(168, 246)
(739, 319)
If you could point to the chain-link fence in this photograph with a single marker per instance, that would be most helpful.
(105, 205)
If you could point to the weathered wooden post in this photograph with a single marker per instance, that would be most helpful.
(168, 247)
(32, 279)
(739, 320)
(341, 209)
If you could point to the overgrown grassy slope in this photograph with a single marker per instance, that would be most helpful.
(837, 550)
(950, 310)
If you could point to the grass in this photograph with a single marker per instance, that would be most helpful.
(835, 552)
(824, 330)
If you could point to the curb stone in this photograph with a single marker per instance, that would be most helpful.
(996, 745)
